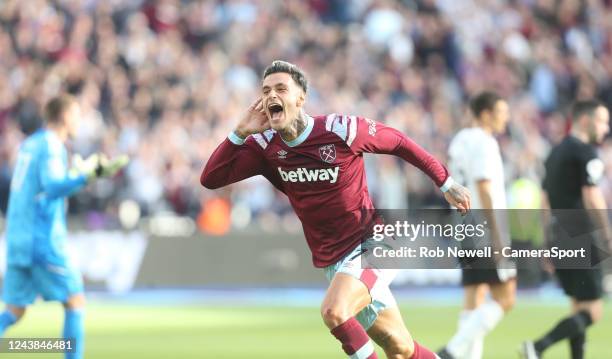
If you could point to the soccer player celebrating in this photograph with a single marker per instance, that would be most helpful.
(36, 222)
(318, 163)
(573, 171)
(476, 161)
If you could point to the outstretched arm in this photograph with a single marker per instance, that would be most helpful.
(55, 179)
(365, 135)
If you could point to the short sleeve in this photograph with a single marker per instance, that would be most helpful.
(591, 167)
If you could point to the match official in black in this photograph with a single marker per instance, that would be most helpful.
(573, 170)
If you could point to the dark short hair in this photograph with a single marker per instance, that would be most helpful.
(283, 66)
(57, 106)
(484, 101)
(584, 107)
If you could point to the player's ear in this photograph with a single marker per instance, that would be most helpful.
(301, 99)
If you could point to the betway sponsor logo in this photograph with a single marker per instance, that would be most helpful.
(310, 174)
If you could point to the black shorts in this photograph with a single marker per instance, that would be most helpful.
(471, 276)
(581, 284)
(484, 270)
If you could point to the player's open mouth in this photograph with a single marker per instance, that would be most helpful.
(276, 111)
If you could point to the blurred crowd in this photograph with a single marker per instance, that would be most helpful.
(166, 80)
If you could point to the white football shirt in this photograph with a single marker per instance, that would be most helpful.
(473, 156)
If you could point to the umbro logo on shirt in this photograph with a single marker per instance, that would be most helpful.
(310, 174)
(282, 154)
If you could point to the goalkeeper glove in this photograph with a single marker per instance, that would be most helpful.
(109, 168)
(86, 167)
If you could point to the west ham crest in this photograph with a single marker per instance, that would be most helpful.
(328, 153)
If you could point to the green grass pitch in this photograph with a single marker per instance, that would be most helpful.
(117, 331)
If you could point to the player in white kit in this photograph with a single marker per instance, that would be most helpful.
(475, 161)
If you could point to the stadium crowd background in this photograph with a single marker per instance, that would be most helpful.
(166, 80)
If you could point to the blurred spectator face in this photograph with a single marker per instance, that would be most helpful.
(282, 99)
(598, 125)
